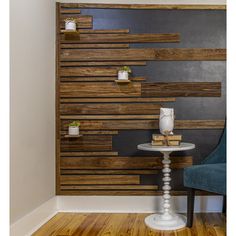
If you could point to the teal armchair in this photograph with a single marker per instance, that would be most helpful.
(209, 176)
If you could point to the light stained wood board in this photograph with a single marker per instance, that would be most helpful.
(108, 108)
(88, 154)
(99, 79)
(66, 45)
(109, 187)
(99, 179)
(104, 89)
(149, 54)
(144, 124)
(103, 63)
(114, 100)
(147, 6)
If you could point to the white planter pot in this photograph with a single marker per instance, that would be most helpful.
(166, 121)
(73, 130)
(70, 25)
(123, 75)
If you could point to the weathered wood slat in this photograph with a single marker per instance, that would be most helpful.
(103, 63)
(144, 124)
(112, 100)
(153, 163)
(104, 31)
(127, 38)
(88, 154)
(93, 45)
(99, 179)
(98, 79)
(99, 132)
(87, 143)
(106, 172)
(89, 71)
(109, 117)
(128, 193)
(110, 187)
(83, 21)
(161, 54)
(131, 108)
(146, 6)
(70, 11)
(106, 89)
(182, 89)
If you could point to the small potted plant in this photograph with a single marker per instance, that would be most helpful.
(123, 73)
(70, 24)
(74, 128)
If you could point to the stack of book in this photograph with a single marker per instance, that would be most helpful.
(166, 140)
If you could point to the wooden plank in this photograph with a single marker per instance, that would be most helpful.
(104, 31)
(109, 187)
(99, 179)
(104, 163)
(83, 21)
(70, 11)
(127, 38)
(114, 109)
(89, 71)
(65, 45)
(96, 132)
(97, 79)
(147, 6)
(128, 193)
(144, 124)
(106, 172)
(104, 89)
(160, 54)
(103, 63)
(109, 117)
(88, 154)
(87, 143)
(182, 89)
(112, 100)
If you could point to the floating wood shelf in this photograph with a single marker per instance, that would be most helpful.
(122, 81)
(73, 136)
(71, 34)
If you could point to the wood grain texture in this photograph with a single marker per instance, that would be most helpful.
(103, 63)
(114, 109)
(104, 31)
(98, 79)
(99, 179)
(126, 224)
(70, 11)
(87, 143)
(105, 89)
(107, 172)
(66, 45)
(147, 6)
(109, 187)
(128, 38)
(148, 163)
(160, 54)
(144, 124)
(88, 154)
(181, 89)
(120, 100)
(89, 71)
(83, 21)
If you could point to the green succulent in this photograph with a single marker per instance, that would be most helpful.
(74, 123)
(126, 68)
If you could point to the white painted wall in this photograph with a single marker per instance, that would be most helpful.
(32, 105)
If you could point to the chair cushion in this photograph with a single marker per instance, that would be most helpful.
(208, 177)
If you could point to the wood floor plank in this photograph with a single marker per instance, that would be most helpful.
(126, 224)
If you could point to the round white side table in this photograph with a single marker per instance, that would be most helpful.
(168, 220)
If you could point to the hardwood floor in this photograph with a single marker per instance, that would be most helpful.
(102, 224)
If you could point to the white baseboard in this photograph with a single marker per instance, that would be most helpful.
(135, 204)
(35, 219)
(112, 204)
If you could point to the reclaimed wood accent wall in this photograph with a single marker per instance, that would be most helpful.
(116, 117)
